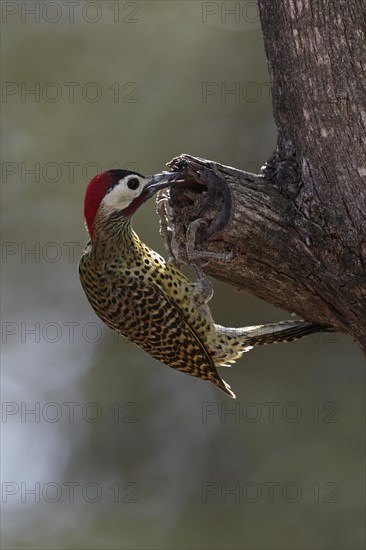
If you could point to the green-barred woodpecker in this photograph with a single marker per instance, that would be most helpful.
(150, 301)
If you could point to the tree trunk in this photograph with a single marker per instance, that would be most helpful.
(297, 230)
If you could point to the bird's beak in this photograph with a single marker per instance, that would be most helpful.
(159, 181)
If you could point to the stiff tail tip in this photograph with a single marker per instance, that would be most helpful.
(224, 386)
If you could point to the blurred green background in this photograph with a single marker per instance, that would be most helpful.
(120, 451)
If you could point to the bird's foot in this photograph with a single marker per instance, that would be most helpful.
(204, 285)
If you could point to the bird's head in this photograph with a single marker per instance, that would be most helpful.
(121, 191)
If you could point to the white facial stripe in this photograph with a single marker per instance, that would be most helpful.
(120, 197)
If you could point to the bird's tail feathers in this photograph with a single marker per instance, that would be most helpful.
(224, 386)
(284, 331)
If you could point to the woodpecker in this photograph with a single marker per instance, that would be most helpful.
(150, 301)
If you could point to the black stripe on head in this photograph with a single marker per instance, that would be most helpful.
(118, 175)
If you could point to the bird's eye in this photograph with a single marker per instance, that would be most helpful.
(133, 183)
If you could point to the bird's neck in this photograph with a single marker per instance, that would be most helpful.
(112, 230)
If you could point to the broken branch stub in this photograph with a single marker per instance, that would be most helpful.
(249, 216)
(203, 194)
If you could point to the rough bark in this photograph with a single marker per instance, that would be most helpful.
(297, 230)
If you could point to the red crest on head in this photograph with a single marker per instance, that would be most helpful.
(97, 189)
(95, 192)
